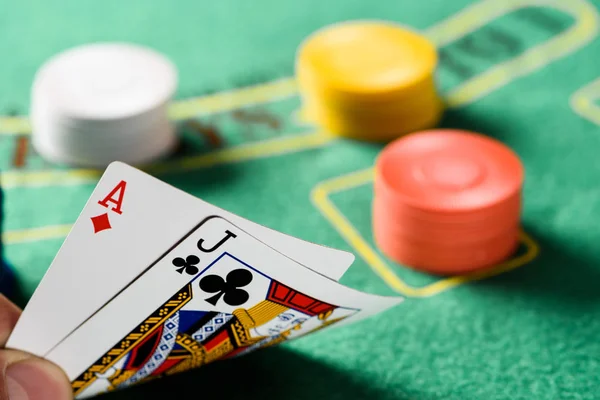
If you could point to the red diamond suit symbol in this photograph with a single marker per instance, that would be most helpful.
(101, 222)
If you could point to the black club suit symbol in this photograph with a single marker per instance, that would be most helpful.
(188, 265)
(229, 288)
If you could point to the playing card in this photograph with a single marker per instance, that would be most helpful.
(218, 293)
(127, 224)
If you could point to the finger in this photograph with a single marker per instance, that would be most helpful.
(25, 377)
(9, 314)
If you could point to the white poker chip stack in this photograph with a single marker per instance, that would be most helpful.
(105, 102)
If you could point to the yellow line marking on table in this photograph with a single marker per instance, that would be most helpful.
(582, 32)
(234, 99)
(320, 197)
(33, 234)
(245, 152)
(583, 101)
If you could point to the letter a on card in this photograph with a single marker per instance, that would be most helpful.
(101, 222)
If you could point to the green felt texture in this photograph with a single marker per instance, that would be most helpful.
(530, 333)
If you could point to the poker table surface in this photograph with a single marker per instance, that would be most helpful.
(524, 72)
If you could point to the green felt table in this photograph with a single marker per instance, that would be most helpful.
(525, 72)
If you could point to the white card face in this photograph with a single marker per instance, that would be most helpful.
(219, 292)
(128, 223)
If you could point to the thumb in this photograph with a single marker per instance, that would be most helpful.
(23, 376)
(27, 378)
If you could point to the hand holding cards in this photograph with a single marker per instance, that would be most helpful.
(152, 281)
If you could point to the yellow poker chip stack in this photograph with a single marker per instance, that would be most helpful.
(369, 80)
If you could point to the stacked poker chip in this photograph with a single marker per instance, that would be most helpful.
(369, 80)
(103, 102)
(447, 201)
